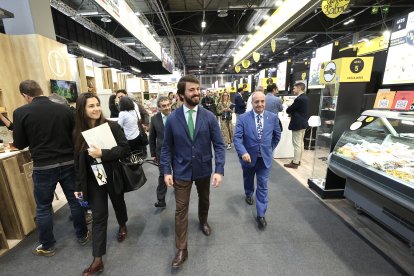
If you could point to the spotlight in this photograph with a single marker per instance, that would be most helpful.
(203, 24)
(309, 41)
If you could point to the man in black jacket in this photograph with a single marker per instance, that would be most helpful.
(156, 137)
(46, 128)
(298, 112)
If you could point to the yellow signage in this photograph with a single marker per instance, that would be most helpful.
(232, 89)
(267, 81)
(273, 44)
(334, 8)
(245, 86)
(246, 63)
(348, 69)
(256, 56)
(237, 68)
(303, 76)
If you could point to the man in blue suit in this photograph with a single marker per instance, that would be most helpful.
(256, 136)
(189, 133)
(239, 103)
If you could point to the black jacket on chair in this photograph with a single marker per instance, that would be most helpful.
(298, 112)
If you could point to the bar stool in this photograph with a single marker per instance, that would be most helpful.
(313, 121)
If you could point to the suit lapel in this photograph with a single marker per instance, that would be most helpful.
(182, 121)
(199, 121)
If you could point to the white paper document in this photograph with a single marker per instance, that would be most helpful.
(101, 136)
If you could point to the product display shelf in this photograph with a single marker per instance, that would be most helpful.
(376, 157)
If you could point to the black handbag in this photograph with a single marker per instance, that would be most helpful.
(129, 175)
(142, 137)
(226, 115)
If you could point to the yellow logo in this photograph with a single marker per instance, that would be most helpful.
(256, 56)
(246, 63)
(369, 119)
(237, 68)
(303, 75)
(334, 8)
(273, 45)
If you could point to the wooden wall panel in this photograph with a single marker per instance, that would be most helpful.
(17, 185)
(33, 57)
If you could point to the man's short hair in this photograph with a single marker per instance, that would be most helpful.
(162, 99)
(260, 88)
(301, 85)
(123, 91)
(239, 90)
(270, 87)
(30, 88)
(182, 83)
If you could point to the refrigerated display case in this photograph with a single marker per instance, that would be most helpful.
(376, 157)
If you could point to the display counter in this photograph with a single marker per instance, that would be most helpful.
(285, 147)
(376, 157)
(17, 204)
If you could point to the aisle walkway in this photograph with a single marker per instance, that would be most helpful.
(303, 237)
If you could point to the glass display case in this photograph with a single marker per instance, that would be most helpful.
(323, 140)
(376, 157)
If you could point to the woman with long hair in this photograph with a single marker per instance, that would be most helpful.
(90, 172)
(224, 108)
(128, 120)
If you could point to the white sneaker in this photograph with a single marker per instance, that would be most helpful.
(228, 146)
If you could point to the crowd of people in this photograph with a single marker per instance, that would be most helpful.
(184, 135)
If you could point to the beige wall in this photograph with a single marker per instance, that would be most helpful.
(33, 57)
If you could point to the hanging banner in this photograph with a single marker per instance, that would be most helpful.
(245, 86)
(273, 44)
(256, 56)
(346, 70)
(246, 63)
(237, 68)
(232, 89)
(303, 75)
(334, 8)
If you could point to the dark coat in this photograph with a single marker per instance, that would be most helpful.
(156, 135)
(109, 158)
(298, 112)
(239, 104)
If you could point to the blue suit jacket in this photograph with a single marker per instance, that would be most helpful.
(246, 141)
(191, 160)
(239, 104)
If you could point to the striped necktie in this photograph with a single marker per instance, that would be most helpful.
(259, 127)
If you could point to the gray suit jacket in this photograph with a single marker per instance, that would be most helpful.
(273, 104)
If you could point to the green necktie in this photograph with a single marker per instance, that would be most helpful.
(190, 123)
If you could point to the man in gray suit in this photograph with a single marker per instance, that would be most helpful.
(273, 103)
(156, 136)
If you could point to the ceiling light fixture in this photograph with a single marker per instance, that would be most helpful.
(106, 19)
(386, 34)
(91, 51)
(266, 17)
(129, 43)
(256, 27)
(271, 59)
(201, 43)
(201, 54)
(135, 69)
(309, 41)
(278, 3)
(203, 24)
(285, 52)
(200, 61)
(250, 36)
(349, 21)
(137, 13)
(146, 26)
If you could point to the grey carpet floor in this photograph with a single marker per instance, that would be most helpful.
(303, 237)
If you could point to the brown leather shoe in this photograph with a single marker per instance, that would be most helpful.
(205, 228)
(291, 165)
(122, 233)
(94, 269)
(180, 258)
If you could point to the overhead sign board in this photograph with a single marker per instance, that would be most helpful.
(125, 16)
(346, 70)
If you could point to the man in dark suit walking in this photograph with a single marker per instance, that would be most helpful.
(156, 137)
(239, 103)
(256, 136)
(298, 112)
(186, 157)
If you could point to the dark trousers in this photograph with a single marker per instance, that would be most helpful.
(161, 188)
(182, 200)
(98, 200)
(44, 186)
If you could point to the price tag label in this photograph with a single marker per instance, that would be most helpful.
(401, 104)
(383, 103)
